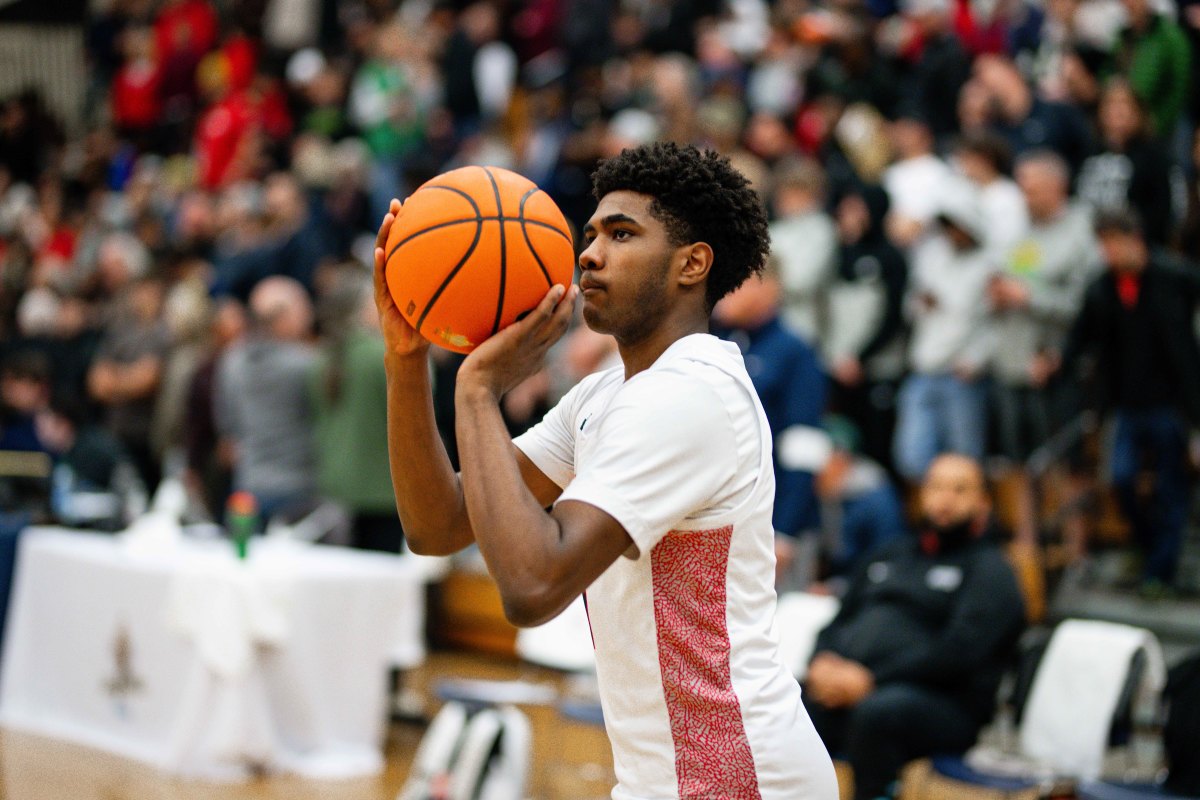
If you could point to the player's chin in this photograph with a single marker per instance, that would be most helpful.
(594, 318)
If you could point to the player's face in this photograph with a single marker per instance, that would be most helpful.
(626, 268)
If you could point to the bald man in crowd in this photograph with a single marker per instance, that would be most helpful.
(262, 411)
(911, 664)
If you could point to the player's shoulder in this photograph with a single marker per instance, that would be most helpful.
(596, 382)
(696, 373)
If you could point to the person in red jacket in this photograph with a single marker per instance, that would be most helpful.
(136, 98)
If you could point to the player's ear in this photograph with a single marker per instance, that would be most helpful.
(696, 260)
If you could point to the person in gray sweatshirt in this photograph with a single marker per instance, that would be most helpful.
(262, 407)
(1034, 298)
(942, 404)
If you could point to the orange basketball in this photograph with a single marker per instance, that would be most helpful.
(471, 251)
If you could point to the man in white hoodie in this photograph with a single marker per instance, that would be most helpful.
(942, 403)
(804, 241)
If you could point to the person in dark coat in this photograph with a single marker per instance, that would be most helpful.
(865, 345)
(1130, 169)
(1136, 324)
(787, 375)
(912, 661)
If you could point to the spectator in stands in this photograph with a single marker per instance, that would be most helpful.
(121, 259)
(910, 665)
(1189, 21)
(1026, 120)
(1137, 324)
(70, 344)
(136, 98)
(942, 404)
(478, 70)
(860, 508)
(791, 386)
(914, 182)
(187, 314)
(984, 159)
(1188, 240)
(389, 106)
(24, 392)
(262, 407)
(293, 242)
(91, 455)
(348, 392)
(28, 137)
(1034, 299)
(1046, 57)
(1131, 168)
(1154, 54)
(942, 66)
(209, 459)
(124, 377)
(803, 242)
(864, 346)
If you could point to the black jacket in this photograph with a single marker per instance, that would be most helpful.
(875, 258)
(948, 621)
(1170, 358)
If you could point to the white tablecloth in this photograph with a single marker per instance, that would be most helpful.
(182, 657)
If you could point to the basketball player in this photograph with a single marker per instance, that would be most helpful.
(658, 478)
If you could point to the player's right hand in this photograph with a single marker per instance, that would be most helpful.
(399, 337)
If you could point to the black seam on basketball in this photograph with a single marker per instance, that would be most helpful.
(535, 222)
(503, 252)
(461, 262)
(538, 223)
(525, 233)
(478, 218)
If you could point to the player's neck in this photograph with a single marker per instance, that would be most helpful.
(641, 355)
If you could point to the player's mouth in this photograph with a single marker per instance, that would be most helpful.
(587, 288)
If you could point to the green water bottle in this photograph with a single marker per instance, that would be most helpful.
(241, 516)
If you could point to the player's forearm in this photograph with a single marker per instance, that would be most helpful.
(428, 493)
(517, 538)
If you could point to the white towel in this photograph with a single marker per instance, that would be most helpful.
(228, 609)
(799, 618)
(1075, 692)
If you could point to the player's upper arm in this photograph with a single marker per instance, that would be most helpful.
(540, 486)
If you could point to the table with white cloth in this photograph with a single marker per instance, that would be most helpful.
(179, 655)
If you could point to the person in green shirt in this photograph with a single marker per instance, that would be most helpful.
(349, 398)
(1153, 52)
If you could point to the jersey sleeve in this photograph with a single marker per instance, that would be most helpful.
(550, 444)
(665, 449)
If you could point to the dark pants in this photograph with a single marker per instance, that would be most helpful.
(1155, 440)
(872, 407)
(1022, 420)
(894, 725)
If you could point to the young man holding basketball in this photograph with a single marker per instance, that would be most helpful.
(659, 480)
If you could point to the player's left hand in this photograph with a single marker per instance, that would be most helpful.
(515, 353)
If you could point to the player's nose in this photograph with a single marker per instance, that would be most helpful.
(591, 257)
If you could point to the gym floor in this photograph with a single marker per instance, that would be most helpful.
(570, 759)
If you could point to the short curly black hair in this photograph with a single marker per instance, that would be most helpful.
(699, 197)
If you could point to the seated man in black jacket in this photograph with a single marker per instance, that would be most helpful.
(911, 664)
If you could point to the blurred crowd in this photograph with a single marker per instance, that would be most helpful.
(972, 202)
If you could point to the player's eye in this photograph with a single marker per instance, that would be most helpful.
(620, 234)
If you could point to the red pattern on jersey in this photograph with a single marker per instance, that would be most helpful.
(712, 753)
